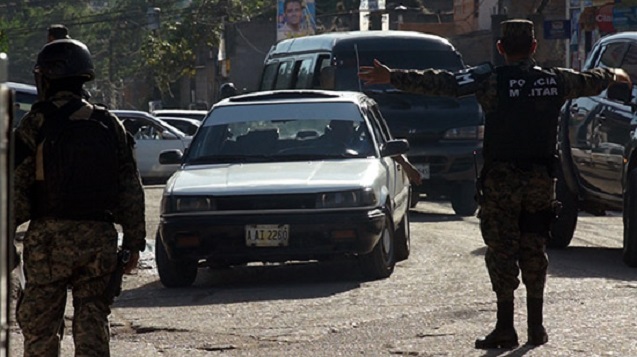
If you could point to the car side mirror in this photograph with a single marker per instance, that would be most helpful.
(394, 147)
(621, 92)
(170, 157)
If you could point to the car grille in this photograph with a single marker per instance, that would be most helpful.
(266, 202)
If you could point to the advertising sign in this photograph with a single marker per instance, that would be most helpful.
(296, 18)
(557, 29)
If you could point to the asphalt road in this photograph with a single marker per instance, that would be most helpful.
(435, 304)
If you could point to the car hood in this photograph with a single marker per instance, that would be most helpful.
(276, 177)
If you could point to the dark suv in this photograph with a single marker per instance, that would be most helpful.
(443, 132)
(597, 142)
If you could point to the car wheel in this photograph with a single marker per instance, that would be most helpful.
(463, 200)
(379, 263)
(173, 274)
(563, 227)
(403, 243)
(630, 220)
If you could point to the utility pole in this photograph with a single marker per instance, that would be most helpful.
(152, 17)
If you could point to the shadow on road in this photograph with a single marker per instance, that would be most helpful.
(419, 216)
(249, 284)
(585, 262)
(589, 262)
(518, 352)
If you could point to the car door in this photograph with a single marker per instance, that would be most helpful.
(584, 117)
(610, 132)
(398, 178)
(151, 138)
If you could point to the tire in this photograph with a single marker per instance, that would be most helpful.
(403, 242)
(463, 199)
(380, 262)
(563, 227)
(629, 254)
(173, 274)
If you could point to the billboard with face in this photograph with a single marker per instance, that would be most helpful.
(296, 18)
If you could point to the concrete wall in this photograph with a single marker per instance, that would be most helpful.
(247, 46)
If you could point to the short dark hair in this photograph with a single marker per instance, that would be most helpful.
(516, 46)
(286, 2)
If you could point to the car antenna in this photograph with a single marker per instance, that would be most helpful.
(358, 65)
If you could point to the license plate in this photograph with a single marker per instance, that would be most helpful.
(424, 171)
(267, 235)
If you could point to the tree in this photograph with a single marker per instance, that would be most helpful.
(125, 50)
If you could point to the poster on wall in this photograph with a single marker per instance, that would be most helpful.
(295, 18)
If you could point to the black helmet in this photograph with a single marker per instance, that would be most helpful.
(227, 90)
(63, 59)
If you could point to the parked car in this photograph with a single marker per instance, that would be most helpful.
(182, 113)
(186, 125)
(24, 96)
(152, 136)
(597, 141)
(445, 134)
(285, 175)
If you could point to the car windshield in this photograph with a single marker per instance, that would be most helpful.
(281, 132)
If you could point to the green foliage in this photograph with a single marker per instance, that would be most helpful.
(125, 49)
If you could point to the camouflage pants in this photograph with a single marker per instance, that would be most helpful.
(515, 221)
(59, 255)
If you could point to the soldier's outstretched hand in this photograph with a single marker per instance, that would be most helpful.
(621, 76)
(377, 74)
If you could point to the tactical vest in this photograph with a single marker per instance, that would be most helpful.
(77, 169)
(523, 127)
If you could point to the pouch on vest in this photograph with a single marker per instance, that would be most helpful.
(79, 163)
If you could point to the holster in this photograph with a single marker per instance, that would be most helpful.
(114, 287)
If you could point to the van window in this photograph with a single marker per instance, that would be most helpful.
(284, 76)
(304, 74)
(347, 63)
(269, 75)
(24, 96)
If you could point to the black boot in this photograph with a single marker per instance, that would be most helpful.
(537, 332)
(504, 335)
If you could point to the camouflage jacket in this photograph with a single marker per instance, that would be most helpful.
(131, 205)
(442, 82)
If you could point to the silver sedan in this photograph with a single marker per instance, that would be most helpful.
(152, 136)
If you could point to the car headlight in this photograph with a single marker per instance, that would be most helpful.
(354, 198)
(188, 204)
(465, 133)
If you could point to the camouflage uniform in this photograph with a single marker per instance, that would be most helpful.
(508, 189)
(81, 255)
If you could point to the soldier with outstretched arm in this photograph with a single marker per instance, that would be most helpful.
(522, 103)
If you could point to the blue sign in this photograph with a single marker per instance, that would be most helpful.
(557, 29)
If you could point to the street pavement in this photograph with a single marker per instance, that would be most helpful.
(435, 304)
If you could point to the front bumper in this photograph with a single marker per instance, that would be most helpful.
(220, 239)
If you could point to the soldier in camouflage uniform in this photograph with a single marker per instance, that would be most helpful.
(63, 253)
(522, 103)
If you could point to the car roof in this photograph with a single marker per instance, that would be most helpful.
(626, 35)
(293, 96)
(177, 111)
(143, 114)
(28, 88)
(189, 120)
(380, 40)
